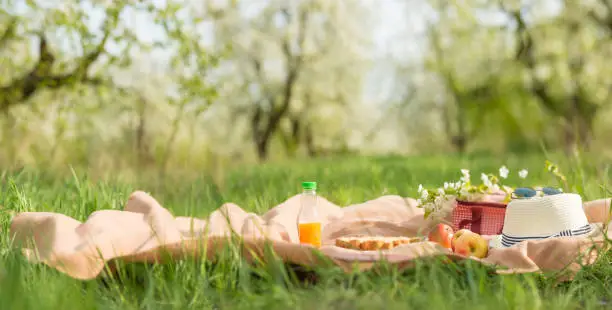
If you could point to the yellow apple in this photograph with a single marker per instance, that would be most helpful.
(458, 234)
(471, 244)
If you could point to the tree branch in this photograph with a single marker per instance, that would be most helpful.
(525, 53)
(294, 63)
(40, 76)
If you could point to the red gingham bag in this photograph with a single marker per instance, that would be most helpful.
(484, 218)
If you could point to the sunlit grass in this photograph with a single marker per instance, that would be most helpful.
(232, 283)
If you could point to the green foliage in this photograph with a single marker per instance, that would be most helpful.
(72, 58)
(123, 85)
(496, 59)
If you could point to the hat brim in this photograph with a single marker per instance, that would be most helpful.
(506, 241)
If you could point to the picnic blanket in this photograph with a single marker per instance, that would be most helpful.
(146, 232)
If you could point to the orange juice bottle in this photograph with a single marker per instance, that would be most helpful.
(309, 223)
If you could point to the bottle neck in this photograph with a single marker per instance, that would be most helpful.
(310, 192)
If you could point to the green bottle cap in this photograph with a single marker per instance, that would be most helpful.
(309, 185)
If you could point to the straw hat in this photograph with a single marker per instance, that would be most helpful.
(544, 217)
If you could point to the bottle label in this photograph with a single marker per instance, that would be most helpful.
(310, 233)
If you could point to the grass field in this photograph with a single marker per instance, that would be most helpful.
(231, 283)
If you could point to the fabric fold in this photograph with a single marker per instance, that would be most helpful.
(146, 232)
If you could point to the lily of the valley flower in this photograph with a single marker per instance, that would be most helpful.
(424, 194)
(503, 172)
(485, 180)
(436, 201)
(466, 176)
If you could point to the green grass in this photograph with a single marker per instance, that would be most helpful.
(232, 283)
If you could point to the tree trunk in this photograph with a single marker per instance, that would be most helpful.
(142, 148)
(292, 139)
(59, 133)
(170, 142)
(460, 140)
(262, 149)
(569, 137)
(585, 131)
(572, 121)
(7, 136)
(310, 147)
(272, 119)
(446, 121)
(459, 143)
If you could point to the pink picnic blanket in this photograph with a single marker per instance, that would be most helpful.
(146, 232)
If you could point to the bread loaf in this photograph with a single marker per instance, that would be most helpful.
(373, 243)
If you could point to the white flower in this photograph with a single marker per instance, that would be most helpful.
(503, 172)
(431, 207)
(441, 192)
(485, 180)
(420, 190)
(466, 175)
(424, 194)
(495, 188)
(446, 185)
(523, 173)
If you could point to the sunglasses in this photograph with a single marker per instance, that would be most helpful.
(528, 192)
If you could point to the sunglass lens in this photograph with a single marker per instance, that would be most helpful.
(550, 191)
(524, 192)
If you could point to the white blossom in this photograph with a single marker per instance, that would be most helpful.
(420, 190)
(466, 175)
(424, 194)
(446, 185)
(503, 172)
(485, 180)
(441, 191)
(495, 188)
(523, 173)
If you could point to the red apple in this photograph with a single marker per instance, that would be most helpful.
(471, 244)
(441, 234)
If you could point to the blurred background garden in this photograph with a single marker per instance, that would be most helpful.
(191, 86)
